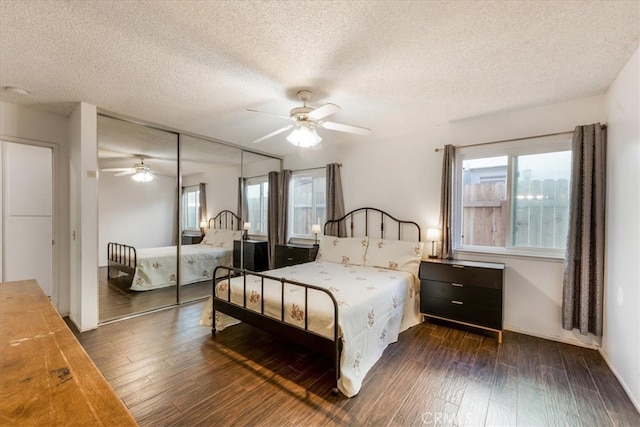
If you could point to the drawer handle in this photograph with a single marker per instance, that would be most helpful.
(289, 259)
(457, 266)
(459, 285)
(457, 302)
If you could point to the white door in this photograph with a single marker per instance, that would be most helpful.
(27, 214)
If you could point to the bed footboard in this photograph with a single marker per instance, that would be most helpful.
(121, 257)
(330, 347)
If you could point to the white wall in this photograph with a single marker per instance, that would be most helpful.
(83, 217)
(141, 214)
(402, 176)
(222, 188)
(19, 124)
(621, 337)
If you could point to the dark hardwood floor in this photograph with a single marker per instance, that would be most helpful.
(168, 370)
(116, 300)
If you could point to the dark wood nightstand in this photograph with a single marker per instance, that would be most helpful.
(466, 292)
(191, 239)
(294, 254)
(255, 254)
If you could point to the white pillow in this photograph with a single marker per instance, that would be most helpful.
(395, 255)
(221, 237)
(343, 250)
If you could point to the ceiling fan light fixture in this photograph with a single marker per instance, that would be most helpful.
(142, 176)
(304, 136)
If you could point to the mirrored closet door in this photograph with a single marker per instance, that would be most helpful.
(210, 220)
(138, 206)
(261, 181)
(166, 196)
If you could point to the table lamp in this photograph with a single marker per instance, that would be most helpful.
(315, 229)
(433, 235)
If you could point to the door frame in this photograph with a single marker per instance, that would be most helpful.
(55, 162)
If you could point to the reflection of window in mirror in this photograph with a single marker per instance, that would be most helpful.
(307, 202)
(191, 209)
(257, 189)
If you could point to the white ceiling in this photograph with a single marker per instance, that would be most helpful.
(392, 66)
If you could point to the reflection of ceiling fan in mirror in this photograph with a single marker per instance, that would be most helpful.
(139, 172)
(307, 120)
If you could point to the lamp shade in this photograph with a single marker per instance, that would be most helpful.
(304, 136)
(315, 228)
(433, 234)
(142, 176)
(203, 224)
(247, 226)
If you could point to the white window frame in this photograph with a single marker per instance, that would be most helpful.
(188, 190)
(264, 210)
(313, 173)
(514, 148)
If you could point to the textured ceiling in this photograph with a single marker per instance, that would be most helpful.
(394, 67)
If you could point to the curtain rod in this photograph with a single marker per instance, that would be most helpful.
(293, 170)
(257, 176)
(313, 169)
(604, 126)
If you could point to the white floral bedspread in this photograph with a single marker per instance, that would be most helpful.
(157, 267)
(374, 306)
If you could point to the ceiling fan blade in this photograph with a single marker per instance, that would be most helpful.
(126, 172)
(114, 169)
(345, 128)
(284, 129)
(270, 114)
(324, 111)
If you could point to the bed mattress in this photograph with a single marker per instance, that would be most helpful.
(374, 306)
(157, 267)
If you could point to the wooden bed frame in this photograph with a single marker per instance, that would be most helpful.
(124, 258)
(331, 347)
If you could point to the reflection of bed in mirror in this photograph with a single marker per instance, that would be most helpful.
(154, 268)
(349, 304)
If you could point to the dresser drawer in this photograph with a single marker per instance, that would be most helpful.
(477, 315)
(463, 274)
(469, 295)
(466, 292)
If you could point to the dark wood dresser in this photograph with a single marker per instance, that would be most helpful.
(466, 292)
(191, 239)
(255, 254)
(291, 254)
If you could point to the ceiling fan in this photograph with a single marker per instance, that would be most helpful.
(307, 120)
(139, 172)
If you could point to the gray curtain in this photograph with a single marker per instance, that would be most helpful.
(283, 209)
(203, 202)
(446, 213)
(584, 262)
(272, 216)
(335, 201)
(243, 205)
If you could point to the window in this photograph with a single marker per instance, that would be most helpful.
(191, 208)
(513, 197)
(307, 202)
(258, 204)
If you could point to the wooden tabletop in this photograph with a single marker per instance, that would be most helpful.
(46, 377)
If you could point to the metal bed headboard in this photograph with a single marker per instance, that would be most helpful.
(382, 222)
(225, 219)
